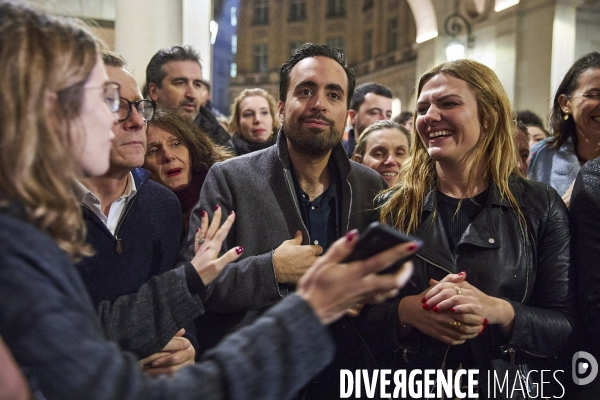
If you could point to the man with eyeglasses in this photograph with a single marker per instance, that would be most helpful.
(134, 226)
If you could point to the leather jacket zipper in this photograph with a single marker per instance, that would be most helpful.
(434, 264)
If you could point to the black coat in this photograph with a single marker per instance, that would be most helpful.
(209, 125)
(528, 267)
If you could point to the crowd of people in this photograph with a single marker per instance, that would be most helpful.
(152, 248)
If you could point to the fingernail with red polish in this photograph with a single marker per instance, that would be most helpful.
(216, 207)
(203, 213)
(412, 247)
(351, 235)
(423, 300)
(425, 306)
(230, 212)
(485, 321)
(435, 309)
(452, 309)
(197, 229)
(239, 250)
(461, 273)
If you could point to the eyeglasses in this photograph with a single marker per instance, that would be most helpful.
(144, 107)
(112, 93)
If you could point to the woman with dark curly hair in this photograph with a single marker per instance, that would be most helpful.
(179, 155)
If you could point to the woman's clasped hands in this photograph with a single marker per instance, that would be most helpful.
(453, 311)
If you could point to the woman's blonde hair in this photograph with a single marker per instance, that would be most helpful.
(361, 143)
(494, 151)
(44, 63)
(234, 124)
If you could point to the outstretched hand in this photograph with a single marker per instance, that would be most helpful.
(207, 245)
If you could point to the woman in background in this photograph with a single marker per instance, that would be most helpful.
(253, 123)
(179, 155)
(575, 123)
(383, 146)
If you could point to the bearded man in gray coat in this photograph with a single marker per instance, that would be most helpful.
(291, 200)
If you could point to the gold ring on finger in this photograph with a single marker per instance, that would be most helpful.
(458, 290)
(199, 241)
(455, 325)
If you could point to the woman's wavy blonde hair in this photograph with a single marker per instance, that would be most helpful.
(495, 150)
(234, 124)
(44, 63)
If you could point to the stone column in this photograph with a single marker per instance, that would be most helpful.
(142, 27)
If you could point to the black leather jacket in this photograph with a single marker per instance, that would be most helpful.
(528, 267)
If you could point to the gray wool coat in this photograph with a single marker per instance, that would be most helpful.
(259, 188)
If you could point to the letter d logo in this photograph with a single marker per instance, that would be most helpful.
(580, 368)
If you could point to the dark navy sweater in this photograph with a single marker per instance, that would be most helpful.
(145, 244)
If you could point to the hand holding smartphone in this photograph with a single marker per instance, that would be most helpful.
(377, 238)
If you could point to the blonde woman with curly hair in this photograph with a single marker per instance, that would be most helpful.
(491, 284)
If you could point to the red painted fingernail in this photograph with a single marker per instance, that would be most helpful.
(452, 309)
(231, 212)
(461, 273)
(485, 321)
(351, 235)
(412, 247)
(481, 331)
(216, 207)
(197, 229)
(425, 306)
(435, 309)
(203, 213)
(239, 250)
(423, 300)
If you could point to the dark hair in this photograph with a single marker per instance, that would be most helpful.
(112, 59)
(155, 72)
(203, 151)
(366, 88)
(314, 50)
(403, 117)
(561, 129)
(522, 127)
(529, 118)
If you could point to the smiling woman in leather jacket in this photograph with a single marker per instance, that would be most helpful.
(491, 287)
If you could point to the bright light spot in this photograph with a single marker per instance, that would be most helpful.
(213, 27)
(426, 37)
(233, 16)
(233, 70)
(504, 4)
(455, 51)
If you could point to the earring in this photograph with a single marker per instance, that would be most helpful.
(566, 117)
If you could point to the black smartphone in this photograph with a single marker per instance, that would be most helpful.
(377, 238)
